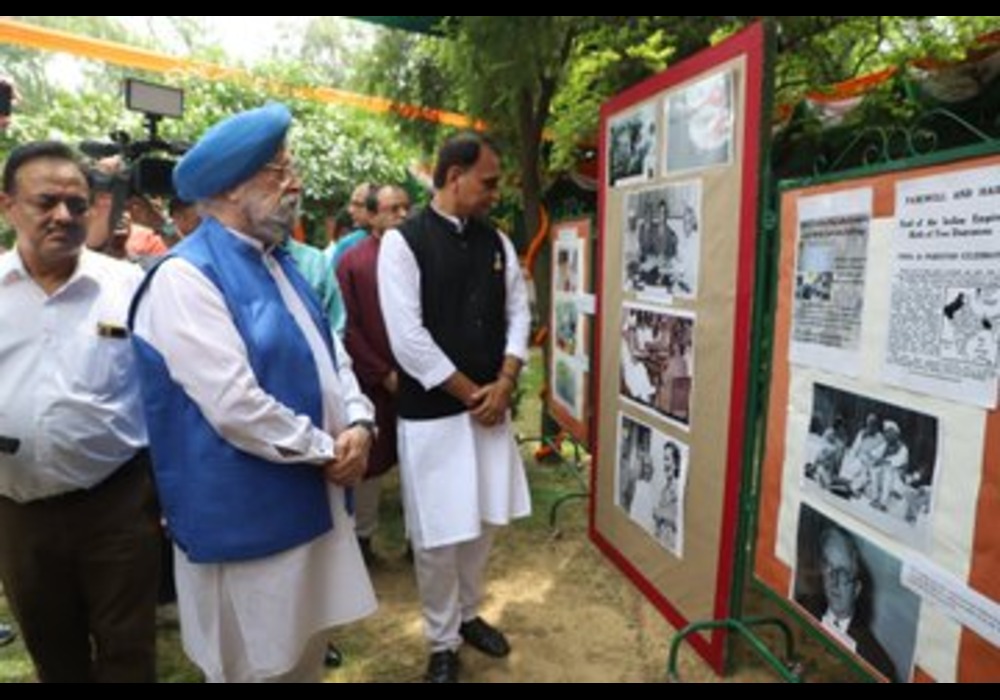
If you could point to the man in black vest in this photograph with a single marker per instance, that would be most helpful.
(456, 312)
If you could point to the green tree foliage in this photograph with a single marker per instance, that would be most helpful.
(335, 147)
(29, 68)
(327, 48)
(508, 70)
(405, 67)
(527, 76)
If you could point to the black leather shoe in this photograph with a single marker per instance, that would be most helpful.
(442, 667)
(371, 559)
(7, 634)
(484, 637)
(333, 658)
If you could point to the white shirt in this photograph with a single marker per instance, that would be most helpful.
(69, 389)
(838, 628)
(412, 344)
(456, 473)
(185, 317)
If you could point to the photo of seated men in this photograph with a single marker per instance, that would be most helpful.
(875, 459)
(851, 589)
(657, 361)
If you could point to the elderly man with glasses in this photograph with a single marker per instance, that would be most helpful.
(257, 425)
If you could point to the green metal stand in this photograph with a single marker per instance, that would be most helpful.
(789, 668)
(575, 467)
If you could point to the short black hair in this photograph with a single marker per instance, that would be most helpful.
(343, 219)
(462, 150)
(36, 150)
(176, 204)
(675, 453)
(371, 198)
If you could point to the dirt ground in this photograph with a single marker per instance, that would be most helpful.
(570, 616)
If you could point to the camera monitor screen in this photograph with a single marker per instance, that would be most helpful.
(154, 99)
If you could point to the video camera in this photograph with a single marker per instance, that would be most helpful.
(147, 168)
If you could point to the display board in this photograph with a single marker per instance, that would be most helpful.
(572, 309)
(680, 163)
(880, 484)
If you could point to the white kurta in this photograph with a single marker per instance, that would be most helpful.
(251, 620)
(456, 474)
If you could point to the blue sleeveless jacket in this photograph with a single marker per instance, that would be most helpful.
(223, 504)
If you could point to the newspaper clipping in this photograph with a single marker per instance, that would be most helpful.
(944, 327)
(830, 280)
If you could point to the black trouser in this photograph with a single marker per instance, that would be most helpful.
(80, 572)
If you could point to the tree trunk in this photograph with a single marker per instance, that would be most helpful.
(531, 184)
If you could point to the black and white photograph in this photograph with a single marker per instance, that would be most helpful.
(567, 327)
(632, 145)
(569, 269)
(700, 123)
(662, 242)
(874, 460)
(657, 362)
(814, 276)
(650, 482)
(853, 590)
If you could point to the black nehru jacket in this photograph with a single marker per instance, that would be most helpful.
(463, 294)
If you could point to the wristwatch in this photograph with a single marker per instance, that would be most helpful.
(368, 425)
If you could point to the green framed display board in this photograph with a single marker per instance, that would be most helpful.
(880, 478)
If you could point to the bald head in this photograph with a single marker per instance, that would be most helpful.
(393, 204)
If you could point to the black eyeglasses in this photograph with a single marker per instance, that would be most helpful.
(76, 206)
(286, 171)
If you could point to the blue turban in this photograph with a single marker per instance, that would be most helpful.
(231, 152)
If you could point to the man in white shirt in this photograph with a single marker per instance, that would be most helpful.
(256, 421)
(456, 312)
(79, 550)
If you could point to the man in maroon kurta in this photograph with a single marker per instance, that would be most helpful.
(368, 345)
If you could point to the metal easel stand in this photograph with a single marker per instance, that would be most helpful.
(551, 445)
(790, 669)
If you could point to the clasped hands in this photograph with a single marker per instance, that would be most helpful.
(489, 404)
(351, 448)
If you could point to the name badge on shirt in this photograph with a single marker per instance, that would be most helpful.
(112, 330)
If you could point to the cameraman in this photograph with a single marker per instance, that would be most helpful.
(120, 239)
(184, 216)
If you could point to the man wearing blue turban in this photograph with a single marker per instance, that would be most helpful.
(257, 425)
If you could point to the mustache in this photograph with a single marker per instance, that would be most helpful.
(72, 228)
(290, 202)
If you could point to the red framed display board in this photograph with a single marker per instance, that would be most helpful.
(880, 484)
(676, 269)
(572, 309)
